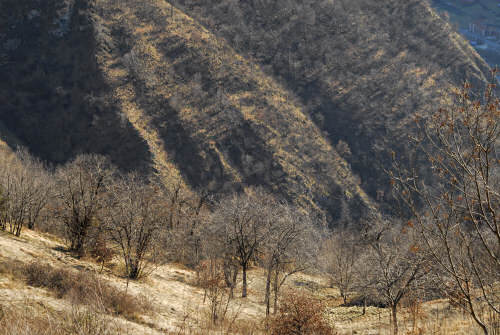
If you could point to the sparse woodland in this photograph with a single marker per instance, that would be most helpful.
(253, 144)
(445, 244)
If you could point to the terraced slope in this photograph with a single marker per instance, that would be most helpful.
(218, 95)
(148, 85)
(363, 68)
(216, 117)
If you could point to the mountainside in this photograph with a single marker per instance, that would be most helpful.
(219, 95)
(363, 68)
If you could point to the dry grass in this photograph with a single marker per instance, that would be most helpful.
(30, 320)
(84, 288)
(178, 304)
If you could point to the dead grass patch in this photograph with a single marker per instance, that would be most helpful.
(29, 320)
(85, 288)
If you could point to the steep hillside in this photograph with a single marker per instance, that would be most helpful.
(52, 95)
(219, 119)
(218, 95)
(363, 68)
(148, 85)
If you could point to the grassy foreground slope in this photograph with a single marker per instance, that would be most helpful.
(45, 290)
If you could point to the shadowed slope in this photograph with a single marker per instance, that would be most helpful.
(364, 68)
(216, 116)
(52, 96)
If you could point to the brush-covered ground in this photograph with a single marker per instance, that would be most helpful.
(45, 290)
(307, 100)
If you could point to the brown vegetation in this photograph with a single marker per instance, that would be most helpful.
(240, 174)
(84, 288)
(301, 314)
(457, 215)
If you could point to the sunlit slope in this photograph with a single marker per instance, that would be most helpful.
(213, 115)
(364, 68)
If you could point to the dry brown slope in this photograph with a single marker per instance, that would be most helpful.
(364, 68)
(216, 117)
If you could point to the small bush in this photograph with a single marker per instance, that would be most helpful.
(84, 288)
(301, 314)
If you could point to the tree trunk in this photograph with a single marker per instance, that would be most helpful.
(364, 305)
(394, 319)
(268, 288)
(18, 229)
(233, 284)
(276, 288)
(478, 321)
(244, 288)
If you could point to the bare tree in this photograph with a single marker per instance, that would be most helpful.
(241, 223)
(187, 213)
(134, 216)
(26, 185)
(395, 264)
(294, 246)
(339, 257)
(41, 181)
(456, 207)
(3, 202)
(290, 248)
(79, 193)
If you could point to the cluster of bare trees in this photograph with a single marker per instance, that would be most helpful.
(380, 265)
(447, 240)
(99, 210)
(255, 228)
(24, 189)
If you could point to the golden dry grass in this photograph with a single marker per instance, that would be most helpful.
(36, 295)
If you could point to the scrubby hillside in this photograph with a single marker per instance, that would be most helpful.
(52, 95)
(363, 68)
(220, 95)
(219, 118)
(145, 80)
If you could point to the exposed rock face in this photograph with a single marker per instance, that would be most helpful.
(220, 95)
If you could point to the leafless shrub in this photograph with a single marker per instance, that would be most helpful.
(211, 279)
(84, 288)
(299, 313)
(101, 252)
